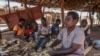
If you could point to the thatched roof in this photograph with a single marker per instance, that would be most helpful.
(68, 4)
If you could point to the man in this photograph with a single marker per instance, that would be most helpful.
(44, 35)
(84, 26)
(72, 38)
(55, 28)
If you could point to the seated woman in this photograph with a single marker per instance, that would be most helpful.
(86, 30)
(71, 37)
(19, 28)
(29, 32)
(44, 36)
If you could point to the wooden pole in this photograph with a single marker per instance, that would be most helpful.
(43, 10)
(9, 6)
(91, 19)
(25, 4)
(42, 2)
(80, 16)
(0, 35)
(62, 12)
(0, 38)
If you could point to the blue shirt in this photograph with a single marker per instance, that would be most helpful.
(55, 29)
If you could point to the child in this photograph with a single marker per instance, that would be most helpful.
(55, 28)
(29, 32)
(19, 28)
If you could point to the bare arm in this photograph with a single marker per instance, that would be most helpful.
(71, 50)
(58, 40)
(55, 43)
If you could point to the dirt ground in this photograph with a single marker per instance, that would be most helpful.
(95, 35)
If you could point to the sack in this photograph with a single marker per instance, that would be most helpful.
(36, 12)
(96, 44)
(23, 14)
(11, 19)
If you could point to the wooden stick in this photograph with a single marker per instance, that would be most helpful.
(9, 6)
(90, 17)
(80, 17)
(25, 3)
(0, 39)
(62, 12)
(42, 2)
(0, 35)
(43, 10)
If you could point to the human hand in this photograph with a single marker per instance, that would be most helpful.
(52, 53)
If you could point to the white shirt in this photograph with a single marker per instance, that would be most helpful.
(76, 36)
(44, 30)
(85, 29)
